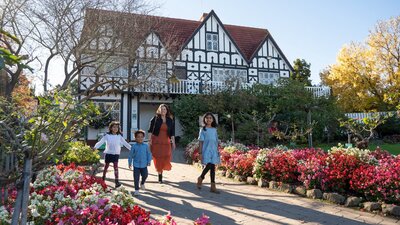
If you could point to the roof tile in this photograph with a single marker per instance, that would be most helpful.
(176, 32)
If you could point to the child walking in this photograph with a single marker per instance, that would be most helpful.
(208, 138)
(113, 140)
(141, 157)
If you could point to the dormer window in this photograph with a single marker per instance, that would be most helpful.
(212, 42)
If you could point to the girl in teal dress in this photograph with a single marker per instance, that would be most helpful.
(208, 150)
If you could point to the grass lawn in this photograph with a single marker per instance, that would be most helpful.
(392, 148)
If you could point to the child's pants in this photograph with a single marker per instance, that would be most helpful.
(136, 176)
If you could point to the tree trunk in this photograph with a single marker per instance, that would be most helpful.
(233, 129)
(363, 144)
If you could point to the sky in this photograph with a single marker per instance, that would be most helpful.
(313, 30)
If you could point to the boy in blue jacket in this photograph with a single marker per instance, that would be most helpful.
(141, 157)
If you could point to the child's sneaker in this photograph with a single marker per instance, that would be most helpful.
(136, 193)
(117, 184)
(142, 187)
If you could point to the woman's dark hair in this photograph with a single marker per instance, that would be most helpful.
(214, 122)
(158, 112)
(112, 124)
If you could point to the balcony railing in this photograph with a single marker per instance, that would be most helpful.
(209, 87)
(319, 91)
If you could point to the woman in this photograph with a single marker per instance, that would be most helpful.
(161, 135)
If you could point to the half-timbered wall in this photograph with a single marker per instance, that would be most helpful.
(268, 60)
(200, 54)
(207, 59)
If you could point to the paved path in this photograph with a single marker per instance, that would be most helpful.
(238, 203)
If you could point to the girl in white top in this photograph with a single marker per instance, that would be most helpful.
(113, 140)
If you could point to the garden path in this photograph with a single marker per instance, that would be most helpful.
(238, 203)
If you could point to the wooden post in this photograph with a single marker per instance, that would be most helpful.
(17, 206)
(25, 189)
(21, 203)
(310, 133)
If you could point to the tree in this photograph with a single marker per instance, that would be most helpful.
(34, 138)
(23, 96)
(301, 71)
(12, 58)
(363, 131)
(42, 31)
(366, 75)
(50, 31)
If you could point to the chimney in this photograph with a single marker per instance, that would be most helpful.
(203, 17)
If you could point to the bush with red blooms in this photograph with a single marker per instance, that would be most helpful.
(67, 195)
(373, 174)
(339, 171)
(379, 182)
(310, 165)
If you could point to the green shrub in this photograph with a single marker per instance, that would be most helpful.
(81, 154)
(392, 139)
(390, 127)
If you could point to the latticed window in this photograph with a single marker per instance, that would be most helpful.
(212, 42)
(268, 77)
(114, 67)
(223, 74)
(152, 71)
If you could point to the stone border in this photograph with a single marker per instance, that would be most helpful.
(332, 197)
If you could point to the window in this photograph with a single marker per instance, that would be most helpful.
(268, 77)
(153, 76)
(180, 72)
(224, 75)
(104, 43)
(212, 42)
(113, 107)
(153, 71)
(105, 30)
(115, 68)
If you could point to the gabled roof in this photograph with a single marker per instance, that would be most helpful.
(247, 39)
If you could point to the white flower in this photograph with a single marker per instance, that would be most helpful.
(4, 215)
(43, 137)
(34, 211)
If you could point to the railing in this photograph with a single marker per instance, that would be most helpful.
(8, 163)
(361, 116)
(319, 91)
(209, 87)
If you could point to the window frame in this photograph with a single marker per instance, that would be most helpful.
(268, 77)
(212, 41)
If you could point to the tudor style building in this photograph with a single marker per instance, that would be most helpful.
(201, 56)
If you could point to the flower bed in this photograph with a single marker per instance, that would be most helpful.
(374, 175)
(67, 195)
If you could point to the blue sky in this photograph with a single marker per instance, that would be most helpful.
(313, 30)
